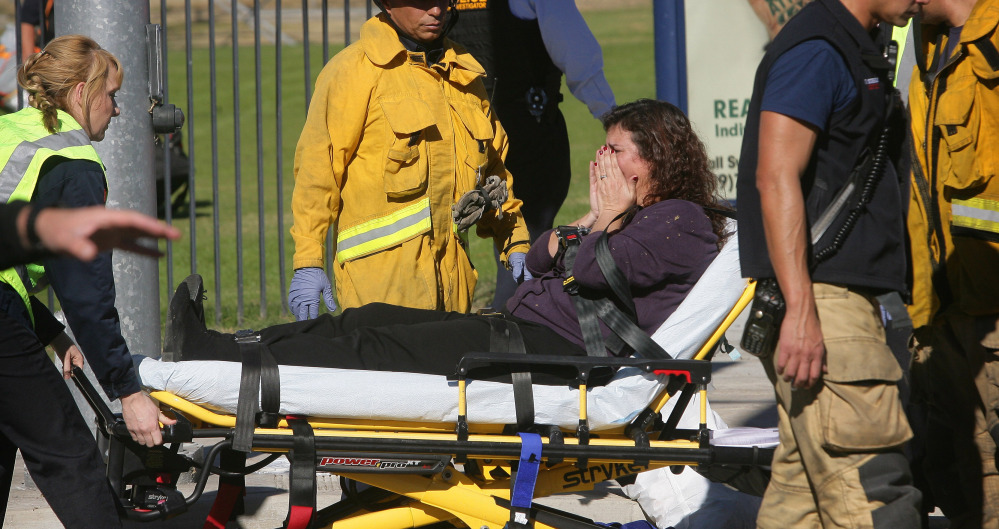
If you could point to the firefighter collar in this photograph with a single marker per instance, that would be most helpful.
(382, 44)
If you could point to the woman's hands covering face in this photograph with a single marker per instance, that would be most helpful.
(611, 191)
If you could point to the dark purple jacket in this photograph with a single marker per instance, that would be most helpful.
(662, 252)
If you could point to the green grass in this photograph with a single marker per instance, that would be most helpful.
(626, 38)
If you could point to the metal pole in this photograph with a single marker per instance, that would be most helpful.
(279, 162)
(216, 207)
(238, 164)
(326, 30)
(127, 151)
(671, 52)
(192, 232)
(306, 46)
(167, 150)
(261, 198)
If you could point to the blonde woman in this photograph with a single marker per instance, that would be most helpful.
(48, 158)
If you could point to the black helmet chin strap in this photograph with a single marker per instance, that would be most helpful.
(452, 17)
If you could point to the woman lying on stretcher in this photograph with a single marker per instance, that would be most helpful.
(653, 169)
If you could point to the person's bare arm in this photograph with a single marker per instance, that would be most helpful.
(84, 232)
(786, 146)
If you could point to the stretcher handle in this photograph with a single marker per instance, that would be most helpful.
(182, 432)
(104, 415)
(697, 371)
(112, 423)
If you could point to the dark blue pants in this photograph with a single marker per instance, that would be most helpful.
(39, 417)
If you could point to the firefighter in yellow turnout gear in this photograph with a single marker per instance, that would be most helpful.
(399, 130)
(954, 231)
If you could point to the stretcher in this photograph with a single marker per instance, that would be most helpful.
(480, 470)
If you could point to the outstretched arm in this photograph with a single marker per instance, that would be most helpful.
(81, 233)
(84, 232)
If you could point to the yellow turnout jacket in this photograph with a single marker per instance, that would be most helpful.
(954, 209)
(389, 145)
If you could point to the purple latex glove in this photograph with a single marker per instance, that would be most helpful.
(303, 295)
(519, 268)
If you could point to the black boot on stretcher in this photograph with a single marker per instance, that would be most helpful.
(187, 338)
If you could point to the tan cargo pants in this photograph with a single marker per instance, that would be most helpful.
(840, 462)
(955, 377)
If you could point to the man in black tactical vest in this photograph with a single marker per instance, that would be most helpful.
(824, 117)
(525, 46)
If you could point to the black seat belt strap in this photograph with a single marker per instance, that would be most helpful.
(523, 388)
(499, 335)
(505, 337)
(260, 383)
(589, 325)
(302, 478)
(614, 277)
(628, 332)
(270, 389)
(247, 405)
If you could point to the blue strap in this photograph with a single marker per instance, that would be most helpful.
(522, 492)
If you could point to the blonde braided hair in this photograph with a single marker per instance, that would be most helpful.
(50, 75)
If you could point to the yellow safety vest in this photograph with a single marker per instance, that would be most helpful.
(25, 145)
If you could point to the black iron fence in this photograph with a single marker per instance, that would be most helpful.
(242, 71)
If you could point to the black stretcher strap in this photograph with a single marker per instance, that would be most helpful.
(302, 478)
(270, 389)
(630, 333)
(589, 325)
(260, 383)
(614, 277)
(505, 337)
(624, 323)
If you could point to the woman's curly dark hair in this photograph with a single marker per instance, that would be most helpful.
(678, 163)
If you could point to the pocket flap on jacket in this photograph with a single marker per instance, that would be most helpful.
(404, 156)
(955, 103)
(475, 120)
(407, 116)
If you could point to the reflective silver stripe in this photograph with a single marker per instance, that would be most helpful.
(22, 272)
(959, 210)
(372, 234)
(20, 159)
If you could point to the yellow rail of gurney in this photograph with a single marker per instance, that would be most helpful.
(747, 296)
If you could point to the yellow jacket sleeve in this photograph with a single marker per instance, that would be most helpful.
(333, 128)
(509, 233)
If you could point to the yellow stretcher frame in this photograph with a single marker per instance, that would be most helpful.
(478, 494)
